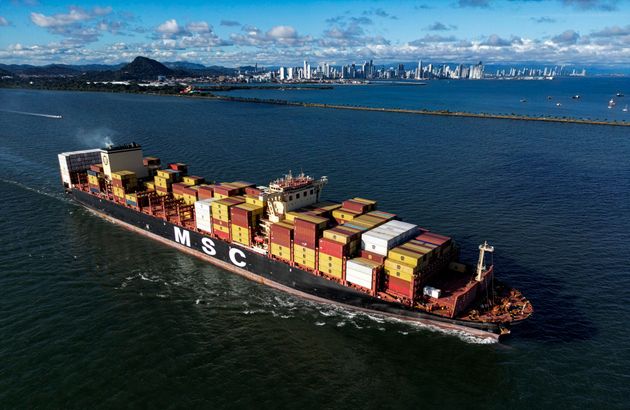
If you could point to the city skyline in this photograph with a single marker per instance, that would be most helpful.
(287, 33)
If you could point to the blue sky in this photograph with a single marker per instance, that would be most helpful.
(287, 32)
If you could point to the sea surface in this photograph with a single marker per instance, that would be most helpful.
(548, 98)
(93, 316)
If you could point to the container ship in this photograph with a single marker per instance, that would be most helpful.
(285, 236)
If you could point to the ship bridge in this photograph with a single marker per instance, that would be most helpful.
(292, 192)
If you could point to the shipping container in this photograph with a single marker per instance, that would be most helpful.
(226, 190)
(221, 208)
(246, 214)
(169, 174)
(151, 161)
(410, 257)
(382, 215)
(363, 272)
(382, 238)
(253, 191)
(203, 214)
(303, 252)
(179, 167)
(342, 215)
(330, 247)
(281, 233)
(433, 238)
(342, 233)
(373, 256)
(242, 235)
(281, 252)
(399, 286)
(359, 206)
(192, 180)
(400, 270)
(98, 168)
(255, 200)
(329, 269)
(206, 191)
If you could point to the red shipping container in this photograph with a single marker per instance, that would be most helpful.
(227, 190)
(355, 206)
(433, 238)
(253, 191)
(205, 192)
(178, 187)
(373, 256)
(281, 235)
(240, 216)
(332, 248)
(117, 183)
(97, 168)
(188, 190)
(399, 286)
(178, 166)
(223, 235)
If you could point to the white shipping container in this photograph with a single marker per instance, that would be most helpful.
(381, 239)
(203, 214)
(77, 161)
(360, 273)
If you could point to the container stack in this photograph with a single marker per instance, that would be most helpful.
(405, 268)
(444, 252)
(221, 216)
(226, 190)
(96, 178)
(280, 240)
(192, 180)
(377, 242)
(165, 179)
(203, 214)
(337, 244)
(364, 273)
(180, 167)
(308, 229)
(123, 182)
(73, 164)
(245, 218)
(353, 208)
(205, 191)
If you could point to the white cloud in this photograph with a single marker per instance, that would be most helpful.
(75, 15)
(169, 28)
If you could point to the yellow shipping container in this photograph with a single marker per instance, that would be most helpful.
(220, 228)
(304, 252)
(400, 270)
(120, 192)
(221, 209)
(290, 216)
(338, 236)
(304, 262)
(124, 175)
(254, 200)
(162, 182)
(93, 179)
(344, 214)
(161, 193)
(317, 220)
(191, 180)
(369, 202)
(280, 251)
(336, 272)
(328, 260)
(177, 195)
(189, 199)
(407, 256)
(165, 173)
(150, 186)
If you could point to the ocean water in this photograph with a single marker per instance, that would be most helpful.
(94, 316)
(541, 98)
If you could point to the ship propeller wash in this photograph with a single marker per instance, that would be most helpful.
(285, 236)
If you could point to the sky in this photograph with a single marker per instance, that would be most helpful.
(280, 32)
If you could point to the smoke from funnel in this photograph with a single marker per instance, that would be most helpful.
(96, 138)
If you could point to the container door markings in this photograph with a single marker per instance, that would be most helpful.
(182, 236)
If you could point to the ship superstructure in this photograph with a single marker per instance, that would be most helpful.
(283, 234)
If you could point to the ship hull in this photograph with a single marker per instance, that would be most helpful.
(276, 274)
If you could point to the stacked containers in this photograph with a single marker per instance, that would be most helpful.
(205, 191)
(337, 244)
(165, 179)
(191, 180)
(404, 268)
(180, 167)
(308, 229)
(203, 214)
(382, 238)
(442, 255)
(364, 273)
(221, 216)
(152, 164)
(244, 218)
(359, 205)
(343, 215)
(226, 190)
(281, 237)
(95, 178)
(123, 182)
(190, 195)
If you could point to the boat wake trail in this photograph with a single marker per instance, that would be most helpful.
(57, 196)
(34, 114)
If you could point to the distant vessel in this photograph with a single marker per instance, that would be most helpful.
(523, 100)
(625, 109)
(282, 235)
(576, 97)
(558, 104)
(611, 103)
(619, 95)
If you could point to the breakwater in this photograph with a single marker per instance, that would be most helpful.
(448, 113)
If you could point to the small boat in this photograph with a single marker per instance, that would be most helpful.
(549, 97)
(558, 104)
(576, 97)
(523, 100)
(611, 103)
(619, 94)
(625, 109)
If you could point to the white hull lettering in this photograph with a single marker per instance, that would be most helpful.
(207, 245)
(182, 236)
(233, 253)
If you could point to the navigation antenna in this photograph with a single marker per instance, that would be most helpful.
(483, 248)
